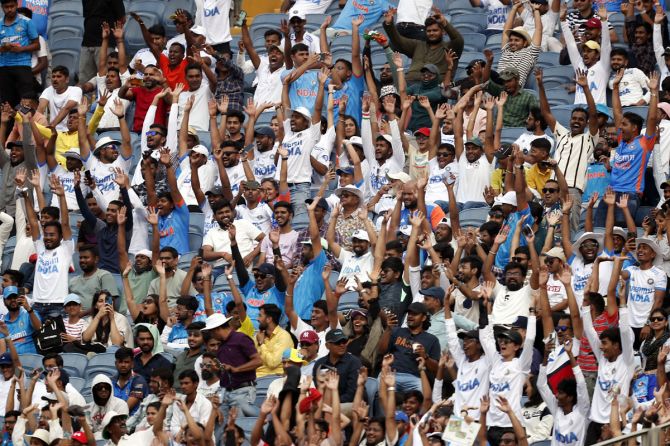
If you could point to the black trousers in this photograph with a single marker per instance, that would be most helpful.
(411, 30)
(593, 433)
(21, 81)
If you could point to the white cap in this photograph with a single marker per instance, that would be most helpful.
(41, 434)
(199, 148)
(199, 30)
(350, 188)
(618, 230)
(144, 252)
(653, 245)
(215, 320)
(356, 140)
(405, 230)
(388, 138)
(305, 112)
(105, 141)
(296, 13)
(509, 198)
(402, 176)
(361, 234)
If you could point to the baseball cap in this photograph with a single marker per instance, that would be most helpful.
(188, 15)
(509, 198)
(604, 110)
(6, 359)
(10, 291)
(199, 148)
(313, 396)
(593, 23)
(72, 298)
(199, 30)
(503, 152)
(336, 335)
(425, 131)
(276, 47)
(323, 204)
(361, 234)
(266, 268)
(520, 322)
(296, 13)
(293, 355)
(356, 141)
(264, 131)
(401, 416)
(253, 185)
(430, 67)
(358, 312)
(304, 111)
(216, 190)
(475, 141)
(345, 170)
(469, 334)
(402, 176)
(434, 291)
(509, 73)
(417, 308)
(309, 336)
(512, 335)
(592, 45)
(667, 51)
(80, 436)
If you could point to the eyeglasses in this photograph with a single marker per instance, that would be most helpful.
(260, 276)
(496, 214)
(519, 259)
(549, 190)
(147, 301)
(657, 319)
(562, 328)
(306, 344)
(153, 133)
(590, 244)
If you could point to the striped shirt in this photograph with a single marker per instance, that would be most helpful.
(586, 360)
(578, 23)
(75, 330)
(523, 60)
(572, 155)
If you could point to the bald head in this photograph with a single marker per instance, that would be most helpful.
(409, 194)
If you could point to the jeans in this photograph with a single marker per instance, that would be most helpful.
(299, 193)
(411, 30)
(405, 382)
(601, 212)
(472, 205)
(576, 211)
(244, 398)
(44, 311)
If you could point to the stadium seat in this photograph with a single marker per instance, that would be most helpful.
(195, 240)
(469, 56)
(547, 59)
(475, 214)
(170, 7)
(348, 301)
(100, 363)
(558, 76)
(148, 8)
(68, 58)
(196, 221)
(64, 33)
(510, 134)
(474, 22)
(562, 114)
(271, 19)
(185, 259)
(494, 40)
(65, 8)
(341, 43)
(641, 111)
(559, 96)
(459, 7)
(66, 21)
(314, 21)
(169, 356)
(474, 41)
(31, 361)
(133, 34)
(77, 382)
(541, 443)
(8, 252)
(75, 364)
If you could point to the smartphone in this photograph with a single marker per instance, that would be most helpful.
(631, 235)
(527, 230)
(200, 253)
(89, 177)
(241, 18)
(322, 57)
(109, 300)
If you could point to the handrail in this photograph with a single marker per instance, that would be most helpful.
(649, 436)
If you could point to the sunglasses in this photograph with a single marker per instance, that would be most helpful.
(657, 319)
(590, 245)
(153, 133)
(549, 190)
(519, 259)
(260, 276)
(306, 344)
(496, 214)
(562, 328)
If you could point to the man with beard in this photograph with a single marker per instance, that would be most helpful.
(268, 68)
(284, 236)
(60, 98)
(186, 359)
(519, 101)
(143, 96)
(472, 378)
(104, 402)
(113, 427)
(639, 33)
(149, 358)
(409, 343)
(201, 91)
(128, 386)
(54, 247)
(412, 191)
(175, 334)
(465, 298)
(228, 162)
(92, 279)
(429, 52)
(16, 157)
(430, 89)
(536, 127)
(357, 263)
(239, 359)
(572, 164)
(636, 90)
(21, 320)
(271, 340)
(216, 244)
(140, 275)
(160, 383)
(107, 230)
(309, 285)
(106, 156)
(210, 383)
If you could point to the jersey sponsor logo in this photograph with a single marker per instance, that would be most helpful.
(567, 438)
(212, 12)
(47, 266)
(361, 7)
(468, 385)
(500, 387)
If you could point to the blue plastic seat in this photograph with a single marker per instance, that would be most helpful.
(185, 259)
(341, 43)
(348, 301)
(65, 8)
(64, 33)
(68, 58)
(510, 134)
(562, 115)
(548, 59)
(66, 21)
(469, 56)
(494, 40)
(474, 41)
(75, 364)
(559, 96)
(77, 382)
(31, 361)
(69, 43)
(641, 111)
(474, 22)
(148, 8)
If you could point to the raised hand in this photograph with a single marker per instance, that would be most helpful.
(121, 216)
(102, 100)
(619, 76)
(539, 74)
(82, 107)
(388, 15)
(582, 79)
(20, 176)
(424, 102)
(165, 157)
(152, 216)
(188, 105)
(501, 99)
(56, 186)
(654, 80)
(357, 21)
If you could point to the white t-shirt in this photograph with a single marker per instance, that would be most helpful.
(260, 216)
(235, 176)
(473, 178)
(524, 140)
(269, 86)
(206, 175)
(109, 119)
(436, 190)
(99, 83)
(633, 87)
(497, 13)
(146, 57)
(549, 20)
(219, 240)
(556, 292)
(641, 288)
(58, 101)
(214, 16)
(354, 266)
(51, 272)
(309, 39)
(103, 175)
(413, 11)
(299, 146)
(67, 180)
(509, 305)
(311, 6)
(580, 276)
(321, 153)
(42, 52)
(264, 163)
(198, 118)
(302, 326)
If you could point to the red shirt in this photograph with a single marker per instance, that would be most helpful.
(143, 99)
(586, 359)
(174, 75)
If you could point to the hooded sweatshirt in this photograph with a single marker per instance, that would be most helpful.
(157, 361)
(95, 412)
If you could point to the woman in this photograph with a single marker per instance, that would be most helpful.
(645, 383)
(145, 312)
(106, 327)
(536, 416)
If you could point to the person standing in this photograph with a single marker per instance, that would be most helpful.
(18, 40)
(214, 16)
(96, 12)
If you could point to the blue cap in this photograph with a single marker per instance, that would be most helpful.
(6, 359)
(9, 290)
(72, 298)
(434, 291)
(605, 110)
(265, 131)
(401, 416)
(345, 171)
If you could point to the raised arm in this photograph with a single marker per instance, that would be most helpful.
(545, 109)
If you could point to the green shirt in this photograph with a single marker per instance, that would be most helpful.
(86, 287)
(517, 107)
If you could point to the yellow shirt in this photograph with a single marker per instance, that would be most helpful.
(247, 327)
(271, 351)
(68, 140)
(536, 178)
(497, 181)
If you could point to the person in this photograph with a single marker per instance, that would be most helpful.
(106, 327)
(214, 17)
(407, 344)
(93, 279)
(186, 359)
(175, 334)
(59, 98)
(518, 48)
(143, 95)
(74, 323)
(239, 359)
(197, 405)
(346, 364)
(519, 102)
(649, 350)
(271, 340)
(103, 403)
(635, 81)
(168, 260)
(149, 357)
(19, 40)
(21, 320)
(128, 386)
(95, 14)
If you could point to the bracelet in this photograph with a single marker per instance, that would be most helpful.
(399, 69)
(493, 252)
(229, 277)
(285, 158)
(391, 389)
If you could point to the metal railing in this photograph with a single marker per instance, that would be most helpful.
(649, 436)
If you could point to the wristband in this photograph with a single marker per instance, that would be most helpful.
(285, 158)
(399, 69)
(229, 277)
(391, 389)
(30, 311)
(276, 251)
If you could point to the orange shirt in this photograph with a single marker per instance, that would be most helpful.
(175, 75)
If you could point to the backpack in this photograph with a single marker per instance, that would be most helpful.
(47, 338)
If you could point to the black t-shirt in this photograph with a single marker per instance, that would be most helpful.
(96, 12)
(401, 347)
